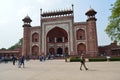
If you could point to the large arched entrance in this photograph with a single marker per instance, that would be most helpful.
(57, 38)
(81, 48)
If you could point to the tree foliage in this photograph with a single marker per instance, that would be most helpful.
(18, 44)
(113, 28)
(3, 49)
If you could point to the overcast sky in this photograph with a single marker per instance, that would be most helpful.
(13, 11)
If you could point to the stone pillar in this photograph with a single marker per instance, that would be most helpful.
(63, 39)
(55, 39)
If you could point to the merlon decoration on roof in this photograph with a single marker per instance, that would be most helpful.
(57, 13)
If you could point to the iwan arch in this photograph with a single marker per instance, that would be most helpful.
(58, 34)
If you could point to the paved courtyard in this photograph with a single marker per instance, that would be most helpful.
(60, 70)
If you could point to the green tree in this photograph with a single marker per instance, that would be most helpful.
(3, 49)
(18, 44)
(113, 28)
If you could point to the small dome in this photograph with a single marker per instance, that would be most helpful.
(27, 19)
(90, 12)
(91, 9)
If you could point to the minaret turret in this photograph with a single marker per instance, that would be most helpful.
(27, 21)
(92, 32)
(26, 35)
(91, 14)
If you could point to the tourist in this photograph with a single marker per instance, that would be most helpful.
(13, 59)
(22, 61)
(40, 58)
(108, 58)
(82, 60)
(19, 61)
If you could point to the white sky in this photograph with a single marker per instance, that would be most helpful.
(13, 11)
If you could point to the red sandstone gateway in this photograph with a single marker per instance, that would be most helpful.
(59, 35)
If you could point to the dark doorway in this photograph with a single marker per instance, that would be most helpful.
(59, 51)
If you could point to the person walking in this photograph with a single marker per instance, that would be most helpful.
(22, 61)
(14, 59)
(19, 62)
(82, 60)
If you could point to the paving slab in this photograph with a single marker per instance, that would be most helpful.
(60, 70)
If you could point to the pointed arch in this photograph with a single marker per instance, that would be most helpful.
(35, 50)
(81, 48)
(80, 34)
(35, 37)
(51, 50)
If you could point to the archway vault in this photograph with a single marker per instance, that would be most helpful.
(56, 37)
(49, 28)
(58, 29)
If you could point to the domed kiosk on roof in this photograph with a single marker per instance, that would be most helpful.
(90, 12)
(27, 19)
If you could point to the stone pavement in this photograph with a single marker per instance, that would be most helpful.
(60, 70)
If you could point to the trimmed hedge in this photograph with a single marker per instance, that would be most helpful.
(77, 59)
(97, 59)
(114, 59)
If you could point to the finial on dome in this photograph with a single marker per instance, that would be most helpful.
(90, 6)
(41, 11)
(72, 7)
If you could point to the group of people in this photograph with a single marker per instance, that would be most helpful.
(42, 58)
(20, 61)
